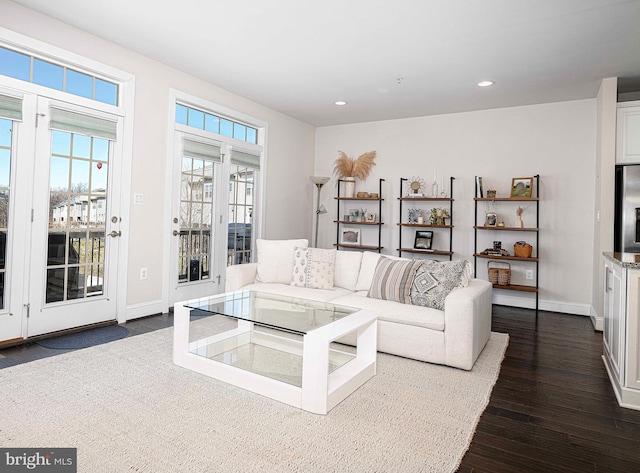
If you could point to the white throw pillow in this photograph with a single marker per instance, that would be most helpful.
(313, 268)
(275, 259)
(347, 269)
(368, 268)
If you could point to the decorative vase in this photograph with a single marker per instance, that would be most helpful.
(434, 189)
(350, 187)
(519, 223)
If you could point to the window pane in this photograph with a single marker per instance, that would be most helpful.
(80, 176)
(59, 174)
(226, 128)
(212, 123)
(61, 143)
(5, 132)
(252, 136)
(81, 146)
(239, 132)
(99, 178)
(5, 161)
(106, 92)
(196, 119)
(14, 64)
(181, 114)
(79, 84)
(100, 149)
(47, 74)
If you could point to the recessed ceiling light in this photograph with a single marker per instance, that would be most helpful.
(341, 102)
(485, 83)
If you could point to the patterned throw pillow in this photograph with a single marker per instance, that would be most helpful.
(313, 268)
(392, 279)
(434, 280)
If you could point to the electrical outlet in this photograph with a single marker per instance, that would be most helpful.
(143, 273)
(528, 274)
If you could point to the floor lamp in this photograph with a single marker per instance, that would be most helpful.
(319, 181)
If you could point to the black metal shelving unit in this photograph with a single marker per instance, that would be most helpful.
(339, 223)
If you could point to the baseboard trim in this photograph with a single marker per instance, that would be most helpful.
(596, 320)
(144, 309)
(551, 306)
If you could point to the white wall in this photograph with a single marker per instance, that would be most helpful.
(289, 193)
(556, 141)
(604, 190)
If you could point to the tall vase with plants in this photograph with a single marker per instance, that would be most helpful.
(348, 169)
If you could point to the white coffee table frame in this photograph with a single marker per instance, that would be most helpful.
(320, 391)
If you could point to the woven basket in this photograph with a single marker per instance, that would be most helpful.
(500, 276)
(522, 249)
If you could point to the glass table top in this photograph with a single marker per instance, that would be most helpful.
(290, 314)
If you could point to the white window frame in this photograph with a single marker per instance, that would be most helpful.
(177, 96)
(125, 109)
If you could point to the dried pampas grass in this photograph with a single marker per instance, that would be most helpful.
(344, 166)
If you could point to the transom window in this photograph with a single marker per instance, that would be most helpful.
(215, 124)
(54, 76)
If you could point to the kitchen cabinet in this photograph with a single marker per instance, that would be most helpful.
(621, 334)
(628, 133)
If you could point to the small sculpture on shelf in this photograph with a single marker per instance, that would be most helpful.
(519, 223)
(438, 216)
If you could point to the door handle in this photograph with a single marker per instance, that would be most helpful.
(176, 233)
(115, 234)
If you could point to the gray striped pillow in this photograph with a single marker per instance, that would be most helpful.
(392, 279)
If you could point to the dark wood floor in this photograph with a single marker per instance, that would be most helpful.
(552, 409)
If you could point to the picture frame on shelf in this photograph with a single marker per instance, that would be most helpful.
(423, 240)
(491, 219)
(354, 215)
(521, 186)
(370, 217)
(413, 215)
(350, 236)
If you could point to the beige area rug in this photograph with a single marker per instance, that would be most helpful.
(126, 407)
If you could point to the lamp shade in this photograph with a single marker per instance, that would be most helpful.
(320, 180)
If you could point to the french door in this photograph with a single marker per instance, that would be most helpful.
(195, 263)
(63, 233)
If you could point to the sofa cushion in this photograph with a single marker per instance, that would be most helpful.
(313, 268)
(368, 267)
(324, 295)
(347, 269)
(434, 280)
(275, 259)
(392, 279)
(390, 311)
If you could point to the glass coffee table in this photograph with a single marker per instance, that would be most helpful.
(278, 346)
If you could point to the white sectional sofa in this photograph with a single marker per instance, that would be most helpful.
(454, 336)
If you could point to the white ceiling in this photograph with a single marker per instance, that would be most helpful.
(300, 56)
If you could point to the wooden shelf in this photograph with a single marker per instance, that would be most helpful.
(358, 223)
(510, 258)
(359, 198)
(423, 225)
(358, 247)
(534, 185)
(502, 229)
(515, 287)
(426, 199)
(507, 199)
(425, 252)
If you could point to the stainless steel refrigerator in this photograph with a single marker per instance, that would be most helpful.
(626, 232)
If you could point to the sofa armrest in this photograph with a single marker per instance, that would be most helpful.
(240, 275)
(467, 323)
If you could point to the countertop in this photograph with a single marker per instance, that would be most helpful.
(627, 260)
